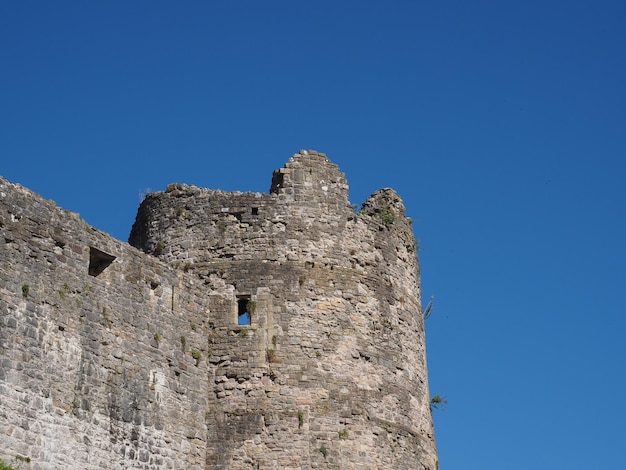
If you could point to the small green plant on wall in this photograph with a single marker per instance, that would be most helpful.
(25, 289)
(18, 459)
(324, 451)
(438, 402)
(159, 249)
(343, 433)
(387, 217)
(22, 459)
(65, 290)
(6, 466)
(271, 355)
(197, 355)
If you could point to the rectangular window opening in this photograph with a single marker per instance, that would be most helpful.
(243, 310)
(98, 261)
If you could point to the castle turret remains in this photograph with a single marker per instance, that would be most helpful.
(279, 330)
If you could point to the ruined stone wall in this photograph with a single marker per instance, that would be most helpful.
(145, 365)
(94, 370)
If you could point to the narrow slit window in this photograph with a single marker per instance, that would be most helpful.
(98, 261)
(243, 311)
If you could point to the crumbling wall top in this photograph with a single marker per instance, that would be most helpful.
(309, 177)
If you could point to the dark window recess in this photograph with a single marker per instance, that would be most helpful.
(98, 261)
(255, 211)
(243, 315)
(278, 180)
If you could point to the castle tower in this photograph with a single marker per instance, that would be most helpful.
(315, 333)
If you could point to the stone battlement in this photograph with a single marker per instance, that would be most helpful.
(235, 330)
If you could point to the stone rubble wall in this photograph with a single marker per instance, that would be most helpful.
(93, 372)
(145, 366)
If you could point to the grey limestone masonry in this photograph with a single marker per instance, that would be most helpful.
(234, 331)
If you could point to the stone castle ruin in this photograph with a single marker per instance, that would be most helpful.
(234, 331)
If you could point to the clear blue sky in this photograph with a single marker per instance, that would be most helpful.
(501, 124)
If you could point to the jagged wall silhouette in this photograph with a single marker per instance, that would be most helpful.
(120, 356)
